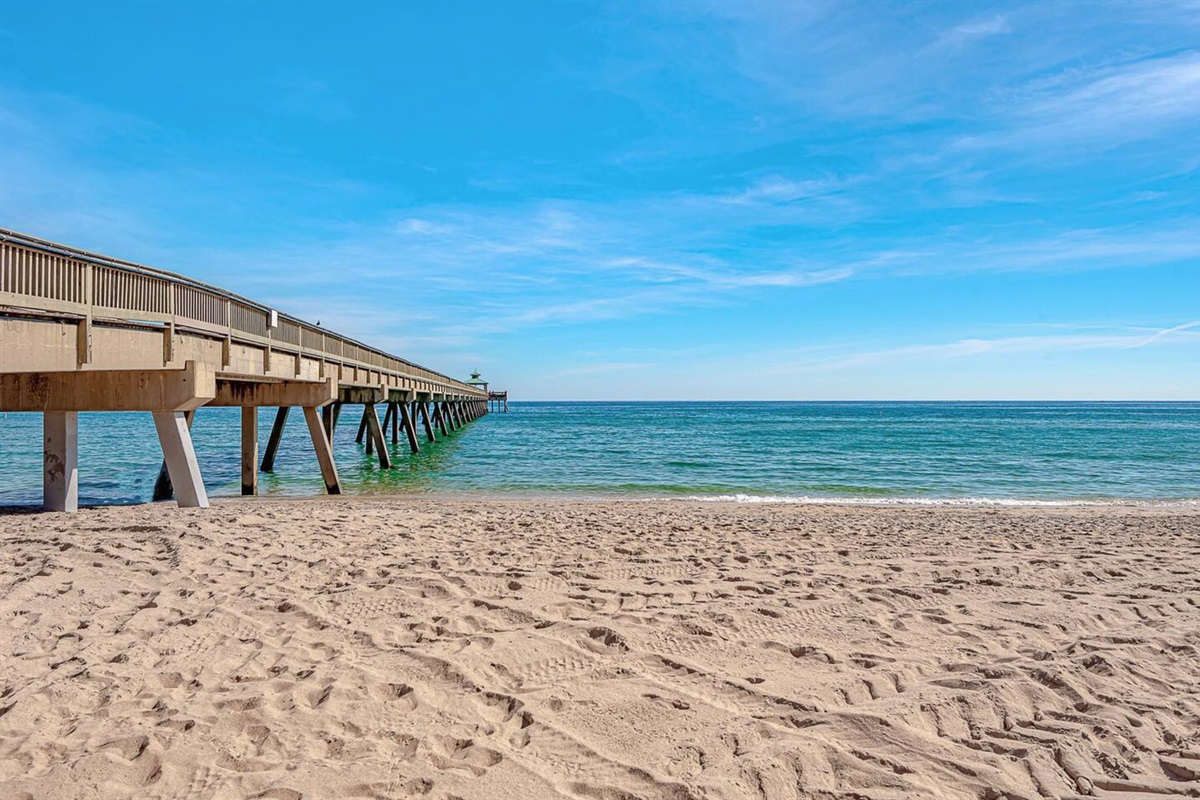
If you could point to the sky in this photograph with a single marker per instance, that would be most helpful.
(648, 200)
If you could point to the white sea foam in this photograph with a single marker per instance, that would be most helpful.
(932, 501)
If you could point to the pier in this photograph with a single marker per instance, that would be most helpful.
(84, 332)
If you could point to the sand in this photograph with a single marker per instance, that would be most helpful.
(517, 649)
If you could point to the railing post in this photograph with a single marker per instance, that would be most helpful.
(169, 330)
(83, 342)
(227, 345)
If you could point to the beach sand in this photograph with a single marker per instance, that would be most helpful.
(365, 648)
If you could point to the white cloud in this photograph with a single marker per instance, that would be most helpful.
(1102, 107)
(972, 30)
(422, 227)
(973, 347)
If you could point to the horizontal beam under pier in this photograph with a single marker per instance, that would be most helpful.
(362, 395)
(109, 390)
(280, 393)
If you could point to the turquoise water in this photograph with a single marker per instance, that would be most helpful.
(864, 452)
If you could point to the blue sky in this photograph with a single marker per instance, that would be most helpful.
(654, 200)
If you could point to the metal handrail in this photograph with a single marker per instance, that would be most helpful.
(70, 280)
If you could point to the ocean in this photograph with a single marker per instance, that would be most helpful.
(855, 452)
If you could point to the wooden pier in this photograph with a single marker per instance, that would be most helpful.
(84, 332)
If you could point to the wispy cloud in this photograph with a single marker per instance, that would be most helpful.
(971, 30)
(1104, 106)
(1166, 332)
(777, 189)
(1005, 345)
(305, 96)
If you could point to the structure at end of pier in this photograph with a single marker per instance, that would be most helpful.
(84, 332)
(496, 400)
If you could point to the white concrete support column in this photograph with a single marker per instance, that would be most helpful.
(176, 441)
(60, 461)
(250, 450)
(162, 486)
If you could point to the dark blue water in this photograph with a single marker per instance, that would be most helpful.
(865, 452)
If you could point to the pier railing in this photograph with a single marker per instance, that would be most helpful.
(42, 276)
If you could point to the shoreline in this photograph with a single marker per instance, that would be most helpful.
(736, 499)
(384, 647)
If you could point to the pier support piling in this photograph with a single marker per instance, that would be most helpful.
(60, 461)
(387, 420)
(375, 436)
(409, 429)
(163, 490)
(176, 441)
(423, 410)
(324, 452)
(268, 462)
(250, 450)
(329, 417)
(362, 430)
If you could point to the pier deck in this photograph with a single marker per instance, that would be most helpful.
(84, 332)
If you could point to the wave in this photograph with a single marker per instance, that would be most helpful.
(931, 501)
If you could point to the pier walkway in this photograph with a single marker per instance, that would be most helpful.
(85, 332)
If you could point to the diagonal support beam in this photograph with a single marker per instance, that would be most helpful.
(162, 486)
(409, 429)
(387, 418)
(375, 432)
(424, 411)
(268, 462)
(324, 452)
(329, 419)
(180, 456)
(362, 430)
